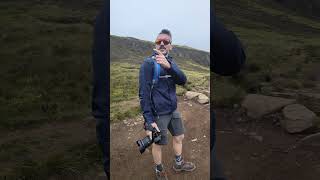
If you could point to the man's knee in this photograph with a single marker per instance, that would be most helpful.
(178, 139)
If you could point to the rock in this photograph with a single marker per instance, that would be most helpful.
(206, 92)
(240, 120)
(267, 89)
(130, 125)
(297, 118)
(277, 124)
(310, 140)
(237, 158)
(259, 105)
(252, 133)
(189, 104)
(191, 94)
(194, 140)
(285, 95)
(241, 111)
(311, 95)
(203, 99)
(255, 136)
(258, 138)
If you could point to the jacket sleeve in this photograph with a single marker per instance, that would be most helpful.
(228, 55)
(100, 92)
(178, 76)
(145, 82)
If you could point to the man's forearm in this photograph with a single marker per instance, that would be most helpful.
(146, 112)
(178, 76)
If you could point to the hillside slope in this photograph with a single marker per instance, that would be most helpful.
(132, 50)
(310, 8)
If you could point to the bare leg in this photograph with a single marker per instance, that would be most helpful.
(156, 153)
(177, 144)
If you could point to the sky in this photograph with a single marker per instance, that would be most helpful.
(188, 20)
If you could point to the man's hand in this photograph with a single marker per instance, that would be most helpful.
(149, 133)
(162, 60)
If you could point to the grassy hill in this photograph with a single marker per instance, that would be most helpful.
(45, 50)
(45, 60)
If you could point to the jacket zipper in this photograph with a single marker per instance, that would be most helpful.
(169, 92)
(154, 105)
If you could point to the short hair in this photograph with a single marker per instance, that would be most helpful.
(167, 32)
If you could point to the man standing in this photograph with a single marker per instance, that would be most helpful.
(158, 102)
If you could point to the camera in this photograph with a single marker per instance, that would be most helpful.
(146, 142)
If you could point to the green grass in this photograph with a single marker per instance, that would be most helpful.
(289, 17)
(124, 78)
(74, 162)
(45, 62)
(226, 94)
(124, 109)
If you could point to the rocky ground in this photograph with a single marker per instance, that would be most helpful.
(271, 137)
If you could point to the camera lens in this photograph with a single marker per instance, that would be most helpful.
(144, 143)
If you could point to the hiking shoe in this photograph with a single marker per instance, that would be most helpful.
(185, 166)
(161, 175)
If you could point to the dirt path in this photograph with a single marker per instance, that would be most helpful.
(260, 150)
(128, 163)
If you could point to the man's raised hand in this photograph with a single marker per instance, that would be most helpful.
(162, 60)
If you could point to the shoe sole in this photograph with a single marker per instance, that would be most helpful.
(179, 170)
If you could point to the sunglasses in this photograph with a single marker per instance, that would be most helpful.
(165, 42)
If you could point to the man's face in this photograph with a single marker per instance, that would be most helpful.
(163, 43)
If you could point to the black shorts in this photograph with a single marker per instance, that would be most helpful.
(171, 122)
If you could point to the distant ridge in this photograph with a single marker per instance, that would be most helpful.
(134, 50)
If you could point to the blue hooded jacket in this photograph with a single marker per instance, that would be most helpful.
(159, 98)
